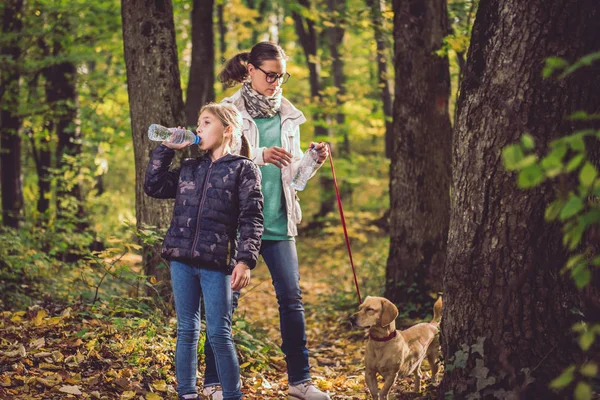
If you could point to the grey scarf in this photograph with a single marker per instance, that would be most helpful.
(258, 105)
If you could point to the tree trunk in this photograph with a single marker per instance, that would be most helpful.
(421, 156)
(222, 36)
(382, 74)
(10, 123)
(305, 29)
(507, 307)
(201, 87)
(154, 97)
(335, 37)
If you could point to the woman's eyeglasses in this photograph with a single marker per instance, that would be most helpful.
(272, 76)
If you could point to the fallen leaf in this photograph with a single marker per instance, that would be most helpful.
(153, 396)
(161, 386)
(39, 318)
(128, 395)
(5, 381)
(70, 389)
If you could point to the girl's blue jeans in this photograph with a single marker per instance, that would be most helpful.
(215, 286)
(282, 260)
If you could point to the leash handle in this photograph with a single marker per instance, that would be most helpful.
(339, 201)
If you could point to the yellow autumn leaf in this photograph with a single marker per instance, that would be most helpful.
(39, 318)
(244, 365)
(128, 395)
(161, 386)
(90, 345)
(153, 280)
(5, 381)
(153, 396)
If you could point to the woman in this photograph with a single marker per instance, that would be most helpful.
(271, 125)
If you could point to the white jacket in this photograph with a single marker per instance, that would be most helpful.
(291, 119)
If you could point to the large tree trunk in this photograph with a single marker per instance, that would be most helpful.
(421, 156)
(382, 74)
(10, 122)
(222, 35)
(502, 282)
(154, 97)
(201, 86)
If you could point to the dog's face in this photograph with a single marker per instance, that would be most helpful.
(374, 311)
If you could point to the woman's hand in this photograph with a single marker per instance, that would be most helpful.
(177, 146)
(277, 156)
(323, 150)
(240, 278)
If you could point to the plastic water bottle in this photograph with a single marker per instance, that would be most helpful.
(305, 168)
(172, 135)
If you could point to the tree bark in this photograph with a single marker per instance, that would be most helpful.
(507, 307)
(421, 156)
(382, 74)
(10, 122)
(201, 86)
(154, 97)
(335, 37)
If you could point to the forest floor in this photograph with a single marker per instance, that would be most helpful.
(115, 351)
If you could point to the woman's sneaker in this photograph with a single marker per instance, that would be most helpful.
(213, 392)
(307, 391)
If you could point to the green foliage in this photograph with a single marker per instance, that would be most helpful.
(565, 166)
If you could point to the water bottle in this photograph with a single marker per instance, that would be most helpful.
(305, 168)
(172, 135)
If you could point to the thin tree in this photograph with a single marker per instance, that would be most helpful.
(376, 10)
(10, 122)
(421, 153)
(154, 97)
(508, 310)
(201, 84)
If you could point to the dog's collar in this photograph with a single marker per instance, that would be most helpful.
(383, 339)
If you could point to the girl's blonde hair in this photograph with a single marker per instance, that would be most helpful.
(229, 115)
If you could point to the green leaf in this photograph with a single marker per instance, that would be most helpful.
(553, 209)
(596, 260)
(581, 275)
(554, 159)
(589, 369)
(576, 142)
(575, 259)
(511, 156)
(564, 379)
(530, 176)
(586, 339)
(552, 64)
(583, 391)
(527, 141)
(575, 162)
(588, 174)
(572, 207)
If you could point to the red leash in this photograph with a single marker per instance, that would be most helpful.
(339, 201)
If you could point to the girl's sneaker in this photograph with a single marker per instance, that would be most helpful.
(191, 396)
(306, 391)
(213, 392)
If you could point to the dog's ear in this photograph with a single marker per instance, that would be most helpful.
(389, 312)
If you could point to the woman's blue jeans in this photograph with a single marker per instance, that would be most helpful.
(215, 286)
(282, 260)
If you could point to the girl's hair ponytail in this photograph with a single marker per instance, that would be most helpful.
(235, 70)
(245, 150)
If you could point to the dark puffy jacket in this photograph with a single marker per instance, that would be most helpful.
(217, 218)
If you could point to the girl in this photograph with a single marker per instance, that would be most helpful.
(271, 124)
(213, 241)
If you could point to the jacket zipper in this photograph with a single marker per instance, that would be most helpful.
(204, 189)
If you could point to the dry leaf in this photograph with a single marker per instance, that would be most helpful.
(5, 381)
(153, 396)
(128, 395)
(38, 343)
(39, 318)
(161, 386)
(70, 389)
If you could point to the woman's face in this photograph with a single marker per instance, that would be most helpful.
(211, 131)
(258, 76)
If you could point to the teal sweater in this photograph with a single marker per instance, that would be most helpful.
(269, 130)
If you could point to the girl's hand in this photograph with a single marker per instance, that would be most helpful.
(277, 156)
(177, 146)
(323, 150)
(240, 278)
